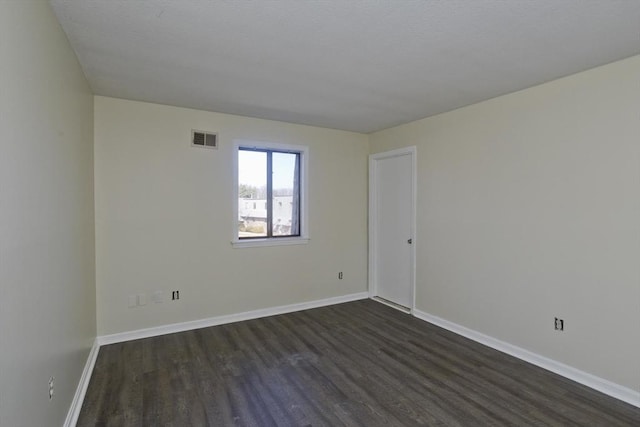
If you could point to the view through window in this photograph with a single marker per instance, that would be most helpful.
(268, 193)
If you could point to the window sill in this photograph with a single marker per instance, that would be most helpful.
(255, 243)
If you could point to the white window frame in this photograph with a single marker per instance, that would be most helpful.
(236, 242)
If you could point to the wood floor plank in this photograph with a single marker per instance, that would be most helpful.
(353, 364)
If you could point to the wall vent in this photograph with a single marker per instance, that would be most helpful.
(204, 139)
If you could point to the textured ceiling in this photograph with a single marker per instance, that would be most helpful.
(353, 65)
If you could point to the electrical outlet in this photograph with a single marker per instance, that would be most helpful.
(175, 295)
(559, 324)
(340, 275)
(157, 297)
(51, 380)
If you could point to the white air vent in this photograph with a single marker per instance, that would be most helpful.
(204, 139)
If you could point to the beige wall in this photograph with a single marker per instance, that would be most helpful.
(529, 208)
(164, 217)
(47, 304)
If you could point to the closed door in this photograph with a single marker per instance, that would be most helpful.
(391, 239)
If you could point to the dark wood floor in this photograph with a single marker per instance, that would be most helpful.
(360, 363)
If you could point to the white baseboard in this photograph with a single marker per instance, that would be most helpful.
(81, 390)
(230, 318)
(605, 386)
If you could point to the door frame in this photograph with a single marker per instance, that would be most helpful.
(373, 220)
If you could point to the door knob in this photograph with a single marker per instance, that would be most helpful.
(410, 241)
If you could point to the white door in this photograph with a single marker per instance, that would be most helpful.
(391, 217)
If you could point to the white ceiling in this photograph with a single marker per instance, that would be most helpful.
(352, 65)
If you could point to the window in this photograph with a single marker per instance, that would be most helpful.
(272, 176)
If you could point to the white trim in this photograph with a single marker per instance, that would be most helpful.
(600, 384)
(303, 150)
(280, 241)
(229, 318)
(373, 236)
(81, 390)
(373, 241)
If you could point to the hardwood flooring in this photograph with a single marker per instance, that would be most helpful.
(353, 364)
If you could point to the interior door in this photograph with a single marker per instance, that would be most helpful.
(391, 242)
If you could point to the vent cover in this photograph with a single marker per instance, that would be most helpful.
(204, 139)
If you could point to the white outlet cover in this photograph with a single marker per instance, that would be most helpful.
(142, 299)
(157, 297)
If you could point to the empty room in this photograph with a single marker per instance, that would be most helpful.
(319, 213)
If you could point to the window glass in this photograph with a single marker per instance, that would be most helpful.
(268, 193)
(286, 194)
(252, 188)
